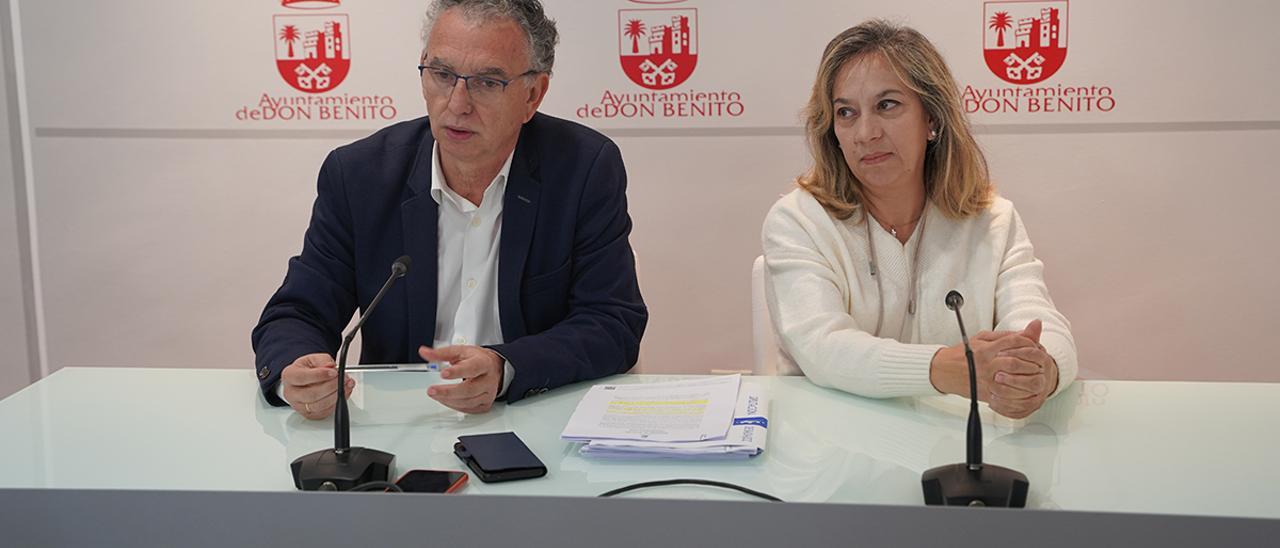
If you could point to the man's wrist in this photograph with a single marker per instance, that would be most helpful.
(506, 373)
(280, 392)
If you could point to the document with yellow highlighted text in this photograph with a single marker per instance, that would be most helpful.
(746, 437)
(680, 411)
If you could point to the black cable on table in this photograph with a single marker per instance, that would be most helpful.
(375, 485)
(709, 483)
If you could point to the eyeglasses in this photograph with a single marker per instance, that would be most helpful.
(481, 88)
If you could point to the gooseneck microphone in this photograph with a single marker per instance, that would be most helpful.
(345, 467)
(973, 436)
(973, 483)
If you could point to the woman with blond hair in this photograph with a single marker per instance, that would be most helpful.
(897, 211)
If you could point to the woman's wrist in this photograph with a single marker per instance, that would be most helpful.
(1052, 375)
(943, 368)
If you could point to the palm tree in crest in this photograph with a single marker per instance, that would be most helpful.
(635, 29)
(1000, 22)
(289, 34)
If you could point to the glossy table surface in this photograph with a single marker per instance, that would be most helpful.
(1110, 446)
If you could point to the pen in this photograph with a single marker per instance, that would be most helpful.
(430, 366)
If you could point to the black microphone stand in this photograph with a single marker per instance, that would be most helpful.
(972, 483)
(345, 467)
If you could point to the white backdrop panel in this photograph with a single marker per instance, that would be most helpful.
(697, 205)
(141, 64)
(1159, 247)
(162, 251)
(163, 262)
(195, 64)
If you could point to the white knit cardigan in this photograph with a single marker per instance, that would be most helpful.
(824, 301)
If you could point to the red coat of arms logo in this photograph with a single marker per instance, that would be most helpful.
(658, 48)
(1024, 42)
(313, 51)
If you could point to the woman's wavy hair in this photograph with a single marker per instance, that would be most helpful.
(955, 172)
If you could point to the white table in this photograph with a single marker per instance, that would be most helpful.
(1207, 449)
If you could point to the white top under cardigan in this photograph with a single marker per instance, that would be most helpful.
(824, 301)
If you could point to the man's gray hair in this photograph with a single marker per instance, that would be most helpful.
(539, 30)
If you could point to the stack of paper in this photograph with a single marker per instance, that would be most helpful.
(704, 418)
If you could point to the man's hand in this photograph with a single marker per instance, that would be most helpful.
(480, 370)
(1014, 373)
(311, 385)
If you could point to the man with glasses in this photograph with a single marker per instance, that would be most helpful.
(523, 277)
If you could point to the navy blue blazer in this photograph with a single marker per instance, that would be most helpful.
(568, 300)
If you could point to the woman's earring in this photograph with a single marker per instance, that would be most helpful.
(933, 134)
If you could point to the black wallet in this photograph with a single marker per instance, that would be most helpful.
(498, 457)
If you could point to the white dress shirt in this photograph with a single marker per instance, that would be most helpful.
(467, 264)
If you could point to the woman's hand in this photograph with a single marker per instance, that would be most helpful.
(1014, 373)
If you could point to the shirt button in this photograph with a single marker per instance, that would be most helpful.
(459, 340)
(471, 284)
(475, 222)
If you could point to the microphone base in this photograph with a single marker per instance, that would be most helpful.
(328, 470)
(957, 485)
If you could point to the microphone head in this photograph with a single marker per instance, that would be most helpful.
(954, 300)
(401, 266)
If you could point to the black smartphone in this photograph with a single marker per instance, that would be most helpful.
(432, 481)
(498, 457)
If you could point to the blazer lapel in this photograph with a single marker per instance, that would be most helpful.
(519, 213)
(418, 215)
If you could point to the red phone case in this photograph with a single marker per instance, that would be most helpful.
(455, 486)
